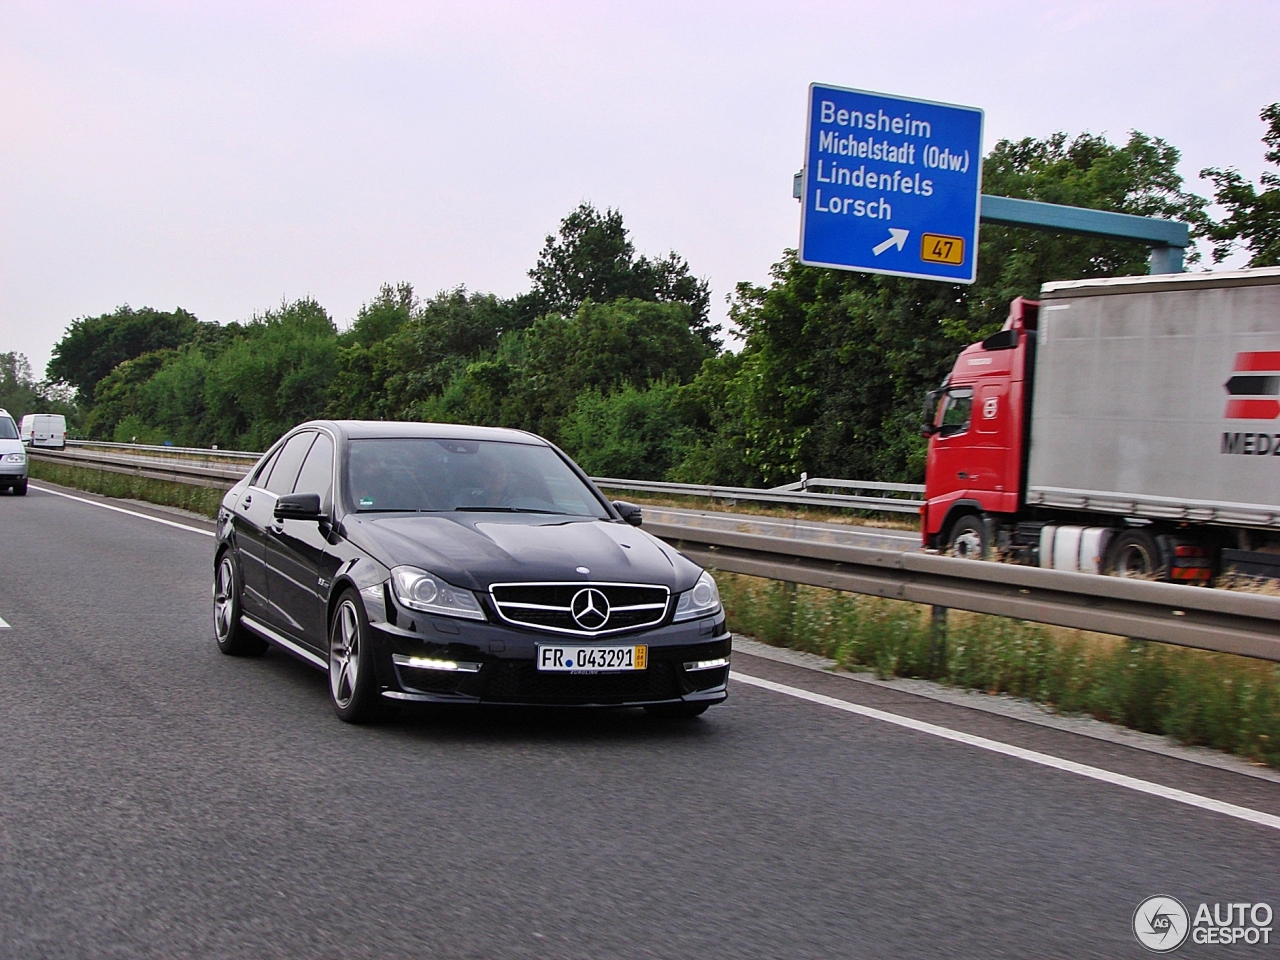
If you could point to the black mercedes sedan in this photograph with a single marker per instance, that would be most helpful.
(436, 563)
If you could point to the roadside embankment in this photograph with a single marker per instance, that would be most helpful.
(1211, 699)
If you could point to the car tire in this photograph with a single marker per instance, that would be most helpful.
(234, 638)
(20, 488)
(1135, 554)
(353, 680)
(968, 538)
(676, 711)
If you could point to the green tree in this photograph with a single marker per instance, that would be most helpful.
(21, 393)
(1141, 178)
(275, 374)
(1253, 217)
(592, 258)
(92, 347)
(401, 352)
(637, 433)
(835, 364)
(602, 347)
(118, 401)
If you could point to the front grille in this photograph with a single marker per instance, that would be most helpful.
(551, 606)
(521, 682)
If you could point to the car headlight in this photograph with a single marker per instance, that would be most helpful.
(419, 590)
(702, 601)
(15, 458)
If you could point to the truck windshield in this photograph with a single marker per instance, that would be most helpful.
(953, 415)
(7, 430)
(482, 476)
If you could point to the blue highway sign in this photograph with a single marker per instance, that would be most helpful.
(891, 185)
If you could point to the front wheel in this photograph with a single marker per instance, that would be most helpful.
(353, 683)
(968, 538)
(234, 639)
(20, 488)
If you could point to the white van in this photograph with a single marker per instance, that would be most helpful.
(13, 458)
(44, 430)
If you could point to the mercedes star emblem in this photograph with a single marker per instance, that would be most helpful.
(590, 608)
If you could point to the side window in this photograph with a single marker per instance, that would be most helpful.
(264, 471)
(317, 470)
(955, 411)
(285, 471)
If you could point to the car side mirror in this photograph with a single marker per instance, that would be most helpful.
(629, 512)
(298, 506)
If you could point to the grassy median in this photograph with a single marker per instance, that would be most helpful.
(1212, 699)
(125, 486)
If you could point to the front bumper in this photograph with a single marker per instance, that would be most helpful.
(12, 472)
(508, 674)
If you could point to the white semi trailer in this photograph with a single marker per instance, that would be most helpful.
(1128, 425)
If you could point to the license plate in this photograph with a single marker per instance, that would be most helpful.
(565, 659)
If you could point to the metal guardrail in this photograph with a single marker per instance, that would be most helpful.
(1221, 620)
(205, 473)
(734, 494)
(807, 482)
(146, 448)
(168, 463)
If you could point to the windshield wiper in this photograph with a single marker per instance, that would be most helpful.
(554, 513)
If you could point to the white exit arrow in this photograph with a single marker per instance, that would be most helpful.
(896, 239)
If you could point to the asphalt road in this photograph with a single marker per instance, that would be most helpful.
(160, 800)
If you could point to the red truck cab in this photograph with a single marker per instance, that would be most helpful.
(976, 424)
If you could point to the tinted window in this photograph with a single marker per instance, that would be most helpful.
(287, 465)
(317, 470)
(7, 430)
(956, 411)
(452, 475)
(264, 471)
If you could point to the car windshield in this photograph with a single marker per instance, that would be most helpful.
(7, 430)
(418, 474)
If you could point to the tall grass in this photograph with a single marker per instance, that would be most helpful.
(203, 500)
(1217, 700)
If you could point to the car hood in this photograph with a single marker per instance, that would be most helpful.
(476, 550)
(11, 446)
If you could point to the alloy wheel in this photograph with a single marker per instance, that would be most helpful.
(224, 599)
(344, 655)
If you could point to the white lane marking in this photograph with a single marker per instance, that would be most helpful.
(3, 625)
(132, 513)
(1032, 756)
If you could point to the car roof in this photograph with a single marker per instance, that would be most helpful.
(395, 429)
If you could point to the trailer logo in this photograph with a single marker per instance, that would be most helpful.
(1254, 386)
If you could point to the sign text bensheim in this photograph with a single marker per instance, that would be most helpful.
(891, 185)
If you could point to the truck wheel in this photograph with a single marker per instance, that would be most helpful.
(968, 538)
(1135, 553)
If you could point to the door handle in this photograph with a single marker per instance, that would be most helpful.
(246, 501)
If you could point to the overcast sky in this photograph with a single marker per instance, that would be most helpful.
(221, 156)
